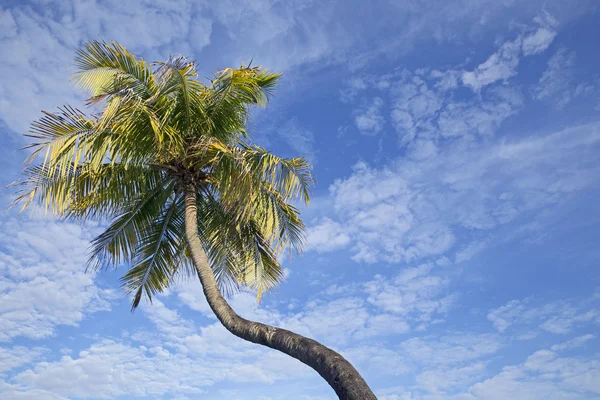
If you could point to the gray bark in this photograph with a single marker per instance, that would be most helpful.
(335, 369)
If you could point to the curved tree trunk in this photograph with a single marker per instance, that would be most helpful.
(335, 369)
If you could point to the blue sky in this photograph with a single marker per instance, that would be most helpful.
(452, 240)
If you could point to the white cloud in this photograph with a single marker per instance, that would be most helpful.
(562, 324)
(502, 65)
(300, 139)
(426, 107)
(412, 300)
(18, 393)
(558, 84)
(17, 356)
(334, 322)
(539, 41)
(368, 119)
(480, 117)
(573, 343)
(442, 380)
(380, 358)
(450, 350)
(414, 291)
(414, 105)
(109, 369)
(43, 283)
(327, 235)
(9, 26)
(559, 317)
(374, 206)
(544, 375)
(410, 210)
(505, 316)
(353, 86)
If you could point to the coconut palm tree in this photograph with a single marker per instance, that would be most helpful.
(165, 160)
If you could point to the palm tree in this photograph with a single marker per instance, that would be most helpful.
(166, 161)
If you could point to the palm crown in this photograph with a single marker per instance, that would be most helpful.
(152, 133)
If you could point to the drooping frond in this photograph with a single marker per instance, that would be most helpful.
(291, 177)
(120, 241)
(159, 255)
(237, 171)
(103, 194)
(61, 136)
(83, 193)
(279, 220)
(239, 251)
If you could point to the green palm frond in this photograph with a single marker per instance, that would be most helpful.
(238, 171)
(104, 69)
(244, 86)
(291, 177)
(104, 194)
(239, 251)
(160, 254)
(279, 219)
(120, 241)
(232, 92)
(61, 136)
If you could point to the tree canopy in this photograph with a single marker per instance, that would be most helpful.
(150, 131)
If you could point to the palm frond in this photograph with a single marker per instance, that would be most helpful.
(238, 171)
(232, 92)
(239, 249)
(105, 69)
(289, 176)
(119, 242)
(160, 254)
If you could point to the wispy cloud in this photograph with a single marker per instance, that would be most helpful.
(558, 84)
(410, 209)
(559, 317)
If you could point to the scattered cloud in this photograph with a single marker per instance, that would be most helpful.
(412, 210)
(43, 283)
(559, 317)
(573, 343)
(368, 119)
(110, 369)
(429, 106)
(558, 84)
(18, 356)
(451, 349)
(543, 375)
(414, 292)
(502, 65)
(300, 139)
(326, 235)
